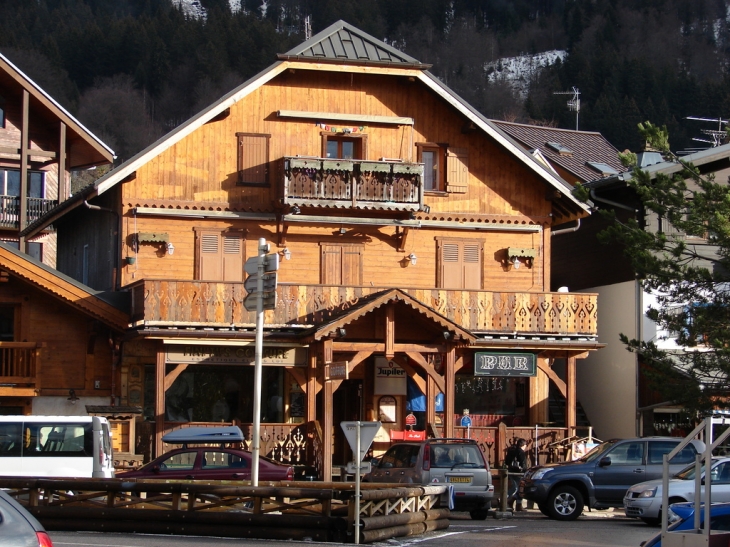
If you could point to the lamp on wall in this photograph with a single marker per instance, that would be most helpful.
(447, 334)
(295, 210)
(343, 230)
(516, 256)
(341, 332)
(72, 396)
(170, 248)
(413, 258)
(516, 262)
(286, 253)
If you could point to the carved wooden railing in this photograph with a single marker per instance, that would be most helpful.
(18, 362)
(392, 185)
(10, 210)
(219, 304)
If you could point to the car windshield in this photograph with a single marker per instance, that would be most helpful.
(598, 451)
(719, 471)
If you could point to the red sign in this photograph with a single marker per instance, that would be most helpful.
(410, 419)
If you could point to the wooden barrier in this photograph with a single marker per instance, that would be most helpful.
(283, 510)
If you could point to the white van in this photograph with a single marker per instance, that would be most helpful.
(55, 446)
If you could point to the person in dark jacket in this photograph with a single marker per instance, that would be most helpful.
(516, 461)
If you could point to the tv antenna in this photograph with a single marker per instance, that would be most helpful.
(574, 103)
(307, 28)
(717, 136)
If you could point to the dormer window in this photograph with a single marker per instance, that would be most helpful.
(603, 168)
(559, 148)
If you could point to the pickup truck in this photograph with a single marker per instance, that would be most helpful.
(601, 478)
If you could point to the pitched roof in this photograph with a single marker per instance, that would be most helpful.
(77, 295)
(375, 301)
(343, 42)
(339, 29)
(574, 151)
(85, 149)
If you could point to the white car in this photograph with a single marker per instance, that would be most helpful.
(644, 500)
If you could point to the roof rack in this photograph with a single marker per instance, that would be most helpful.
(204, 435)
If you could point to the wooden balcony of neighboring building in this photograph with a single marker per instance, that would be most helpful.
(162, 302)
(19, 366)
(353, 184)
(35, 209)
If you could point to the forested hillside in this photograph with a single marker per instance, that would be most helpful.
(131, 70)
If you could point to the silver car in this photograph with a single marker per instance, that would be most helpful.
(18, 528)
(457, 462)
(644, 500)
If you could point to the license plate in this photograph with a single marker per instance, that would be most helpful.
(459, 479)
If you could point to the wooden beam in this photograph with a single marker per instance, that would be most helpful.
(357, 359)
(24, 141)
(32, 152)
(449, 392)
(431, 393)
(458, 365)
(379, 347)
(389, 330)
(63, 182)
(543, 366)
(403, 362)
(425, 365)
(170, 378)
(159, 400)
(327, 350)
(571, 398)
(299, 375)
(327, 432)
(313, 385)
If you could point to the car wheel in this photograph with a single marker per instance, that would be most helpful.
(565, 503)
(479, 514)
(543, 507)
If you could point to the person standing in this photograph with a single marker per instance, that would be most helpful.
(516, 461)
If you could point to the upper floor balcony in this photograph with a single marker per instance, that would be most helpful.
(19, 367)
(35, 209)
(353, 184)
(162, 302)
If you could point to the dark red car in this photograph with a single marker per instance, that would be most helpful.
(208, 462)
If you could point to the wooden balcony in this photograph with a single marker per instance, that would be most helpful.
(353, 184)
(19, 362)
(10, 210)
(158, 302)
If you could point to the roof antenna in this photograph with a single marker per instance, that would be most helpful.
(718, 135)
(307, 27)
(574, 103)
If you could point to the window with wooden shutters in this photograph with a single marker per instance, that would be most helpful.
(341, 264)
(460, 264)
(220, 256)
(432, 157)
(253, 159)
(457, 166)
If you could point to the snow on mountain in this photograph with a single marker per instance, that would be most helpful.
(193, 8)
(520, 71)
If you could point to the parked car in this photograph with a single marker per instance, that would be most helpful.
(457, 462)
(208, 462)
(644, 500)
(682, 517)
(18, 528)
(601, 478)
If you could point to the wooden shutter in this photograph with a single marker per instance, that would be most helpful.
(232, 258)
(460, 264)
(209, 256)
(457, 170)
(341, 264)
(253, 159)
(472, 265)
(331, 265)
(351, 265)
(451, 277)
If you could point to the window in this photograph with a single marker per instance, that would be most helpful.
(10, 183)
(341, 147)
(222, 460)
(253, 159)
(341, 264)
(628, 454)
(432, 157)
(2, 113)
(219, 256)
(7, 323)
(182, 461)
(460, 264)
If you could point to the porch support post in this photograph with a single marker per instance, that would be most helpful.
(431, 393)
(312, 384)
(327, 422)
(449, 391)
(24, 147)
(159, 399)
(390, 331)
(571, 397)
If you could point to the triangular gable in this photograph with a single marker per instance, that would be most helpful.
(97, 152)
(128, 168)
(343, 42)
(375, 301)
(78, 296)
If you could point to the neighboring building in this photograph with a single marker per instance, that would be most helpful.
(415, 249)
(39, 140)
(614, 394)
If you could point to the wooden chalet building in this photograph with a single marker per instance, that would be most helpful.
(39, 140)
(414, 238)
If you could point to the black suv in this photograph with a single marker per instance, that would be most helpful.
(601, 478)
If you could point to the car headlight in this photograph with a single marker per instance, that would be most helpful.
(649, 493)
(540, 473)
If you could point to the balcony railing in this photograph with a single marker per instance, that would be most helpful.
(218, 304)
(386, 185)
(18, 363)
(10, 210)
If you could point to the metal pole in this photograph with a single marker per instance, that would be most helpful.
(357, 484)
(256, 441)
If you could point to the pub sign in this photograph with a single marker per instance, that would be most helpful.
(504, 364)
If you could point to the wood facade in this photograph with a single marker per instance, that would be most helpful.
(412, 234)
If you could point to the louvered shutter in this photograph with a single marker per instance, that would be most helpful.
(451, 266)
(472, 266)
(209, 253)
(232, 258)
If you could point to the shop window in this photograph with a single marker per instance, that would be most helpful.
(459, 264)
(219, 255)
(343, 147)
(341, 264)
(253, 159)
